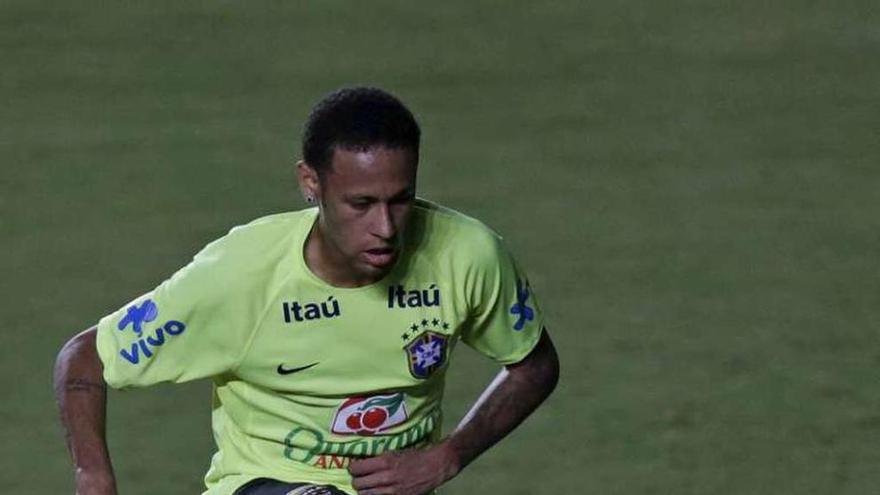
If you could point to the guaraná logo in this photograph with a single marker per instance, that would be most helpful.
(369, 415)
(306, 445)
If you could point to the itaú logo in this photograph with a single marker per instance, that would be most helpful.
(369, 415)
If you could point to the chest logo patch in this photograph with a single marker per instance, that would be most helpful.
(426, 353)
(369, 415)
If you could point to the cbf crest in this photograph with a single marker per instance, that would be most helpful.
(428, 351)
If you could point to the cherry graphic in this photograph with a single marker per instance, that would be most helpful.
(374, 418)
(354, 421)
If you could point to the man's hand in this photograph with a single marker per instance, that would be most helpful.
(514, 393)
(405, 472)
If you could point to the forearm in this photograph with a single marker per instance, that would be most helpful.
(514, 393)
(81, 394)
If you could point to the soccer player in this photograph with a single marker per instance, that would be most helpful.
(327, 332)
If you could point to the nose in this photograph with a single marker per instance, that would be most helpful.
(383, 224)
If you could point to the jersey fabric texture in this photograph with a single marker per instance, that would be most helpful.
(308, 376)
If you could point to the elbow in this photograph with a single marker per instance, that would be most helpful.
(541, 367)
(547, 362)
(550, 370)
(80, 345)
(78, 356)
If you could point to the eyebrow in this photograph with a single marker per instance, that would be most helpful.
(365, 197)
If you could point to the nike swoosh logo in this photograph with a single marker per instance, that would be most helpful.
(286, 371)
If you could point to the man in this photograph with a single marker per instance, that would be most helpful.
(327, 332)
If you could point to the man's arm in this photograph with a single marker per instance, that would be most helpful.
(514, 393)
(81, 394)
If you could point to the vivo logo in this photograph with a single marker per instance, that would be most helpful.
(144, 348)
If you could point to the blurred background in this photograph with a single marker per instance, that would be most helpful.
(692, 185)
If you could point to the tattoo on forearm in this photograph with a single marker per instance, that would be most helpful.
(83, 385)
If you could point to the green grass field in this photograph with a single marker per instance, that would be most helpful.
(693, 186)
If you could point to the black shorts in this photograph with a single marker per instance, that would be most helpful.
(266, 486)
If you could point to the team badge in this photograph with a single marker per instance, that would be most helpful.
(369, 415)
(426, 353)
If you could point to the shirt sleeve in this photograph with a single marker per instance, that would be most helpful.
(196, 324)
(506, 321)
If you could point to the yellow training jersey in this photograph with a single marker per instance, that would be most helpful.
(308, 376)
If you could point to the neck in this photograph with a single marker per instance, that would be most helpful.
(326, 261)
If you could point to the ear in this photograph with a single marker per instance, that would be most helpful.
(308, 182)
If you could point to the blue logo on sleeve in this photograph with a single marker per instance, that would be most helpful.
(145, 348)
(136, 316)
(520, 307)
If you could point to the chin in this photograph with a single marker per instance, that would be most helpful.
(374, 272)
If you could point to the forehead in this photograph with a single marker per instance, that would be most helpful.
(376, 171)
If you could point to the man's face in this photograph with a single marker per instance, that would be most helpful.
(365, 199)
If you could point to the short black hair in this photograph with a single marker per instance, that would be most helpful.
(357, 119)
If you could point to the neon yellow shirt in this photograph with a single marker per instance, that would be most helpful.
(308, 376)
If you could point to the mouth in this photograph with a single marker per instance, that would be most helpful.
(380, 257)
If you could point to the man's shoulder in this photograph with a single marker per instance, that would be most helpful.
(444, 230)
(455, 222)
(262, 241)
(270, 227)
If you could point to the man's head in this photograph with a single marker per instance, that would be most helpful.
(357, 119)
(360, 157)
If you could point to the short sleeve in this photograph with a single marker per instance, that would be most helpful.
(196, 324)
(506, 321)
